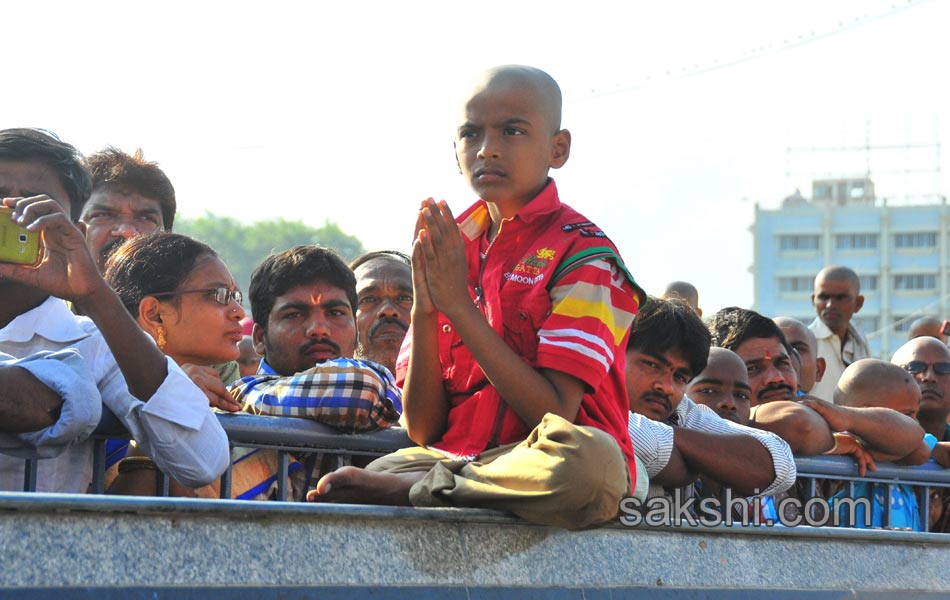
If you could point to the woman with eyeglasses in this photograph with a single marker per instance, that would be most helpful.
(183, 295)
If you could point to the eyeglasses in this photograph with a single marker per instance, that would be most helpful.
(222, 295)
(916, 367)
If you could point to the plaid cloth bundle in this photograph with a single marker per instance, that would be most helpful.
(347, 394)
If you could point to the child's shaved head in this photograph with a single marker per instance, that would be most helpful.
(547, 93)
(509, 136)
(874, 383)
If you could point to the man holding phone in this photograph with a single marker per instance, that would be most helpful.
(46, 185)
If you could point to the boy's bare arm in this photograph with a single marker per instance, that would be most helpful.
(425, 407)
(528, 392)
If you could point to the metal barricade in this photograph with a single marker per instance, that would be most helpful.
(294, 436)
(285, 435)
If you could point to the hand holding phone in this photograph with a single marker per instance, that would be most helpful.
(17, 245)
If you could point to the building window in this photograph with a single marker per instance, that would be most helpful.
(856, 241)
(795, 285)
(915, 282)
(865, 324)
(793, 243)
(868, 283)
(916, 240)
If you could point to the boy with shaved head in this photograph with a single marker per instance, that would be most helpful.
(513, 369)
(836, 299)
(873, 389)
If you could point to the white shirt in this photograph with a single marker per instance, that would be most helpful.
(175, 426)
(653, 442)
(837, 358)
(65, 373)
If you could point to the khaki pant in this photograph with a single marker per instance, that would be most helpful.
(563, 475)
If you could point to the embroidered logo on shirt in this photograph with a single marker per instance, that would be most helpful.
(586, 229)
(529, 269)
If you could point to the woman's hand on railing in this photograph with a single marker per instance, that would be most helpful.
(210, 383)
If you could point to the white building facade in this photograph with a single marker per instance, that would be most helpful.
(901, 254)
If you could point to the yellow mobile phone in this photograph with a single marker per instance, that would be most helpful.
(17, 245)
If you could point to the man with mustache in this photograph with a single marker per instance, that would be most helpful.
(130, 196)
(806, 425)
(837, 298)
(383, 305)
(803, 341)
(676, 439)
(303, 302)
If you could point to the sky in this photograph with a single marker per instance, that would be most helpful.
(682, 113)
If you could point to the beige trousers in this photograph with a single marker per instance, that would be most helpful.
(563, 475)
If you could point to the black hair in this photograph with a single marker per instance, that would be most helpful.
(732, 326)
(301, 265)
(391, 254)
(38, 145)
(113, 169)
(664, 325)
(152, 264)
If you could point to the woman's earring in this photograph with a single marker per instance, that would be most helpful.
(161, 338)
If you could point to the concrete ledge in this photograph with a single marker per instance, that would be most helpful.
(93, 542)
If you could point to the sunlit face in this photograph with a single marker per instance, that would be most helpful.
(198, 329)
(656, 384)
(798, 338)
(771, 375)
(926, 356)
(504, 143)
(308, 324)
(383, 308)
(835, 302)
(111, 217)
(723, 386)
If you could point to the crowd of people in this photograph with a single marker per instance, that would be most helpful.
(513, 345)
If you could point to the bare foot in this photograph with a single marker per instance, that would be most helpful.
(358, 486)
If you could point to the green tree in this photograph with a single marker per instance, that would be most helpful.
(242, 246)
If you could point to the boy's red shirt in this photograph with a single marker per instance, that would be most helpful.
(546, 251)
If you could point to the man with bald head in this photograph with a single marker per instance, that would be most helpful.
(803, 341)
(927, 359)
(837, 297)
(874, 390)
(685, 291)
(927, 326)
(531, 350)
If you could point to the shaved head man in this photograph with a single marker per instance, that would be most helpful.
(686, 292)
(927, 327)
(836, 299)
(928, 360)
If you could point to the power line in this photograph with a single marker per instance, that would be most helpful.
(755, 53)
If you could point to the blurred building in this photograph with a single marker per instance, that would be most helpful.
(901, 254)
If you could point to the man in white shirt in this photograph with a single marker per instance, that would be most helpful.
(836, 299)
(43, 181)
